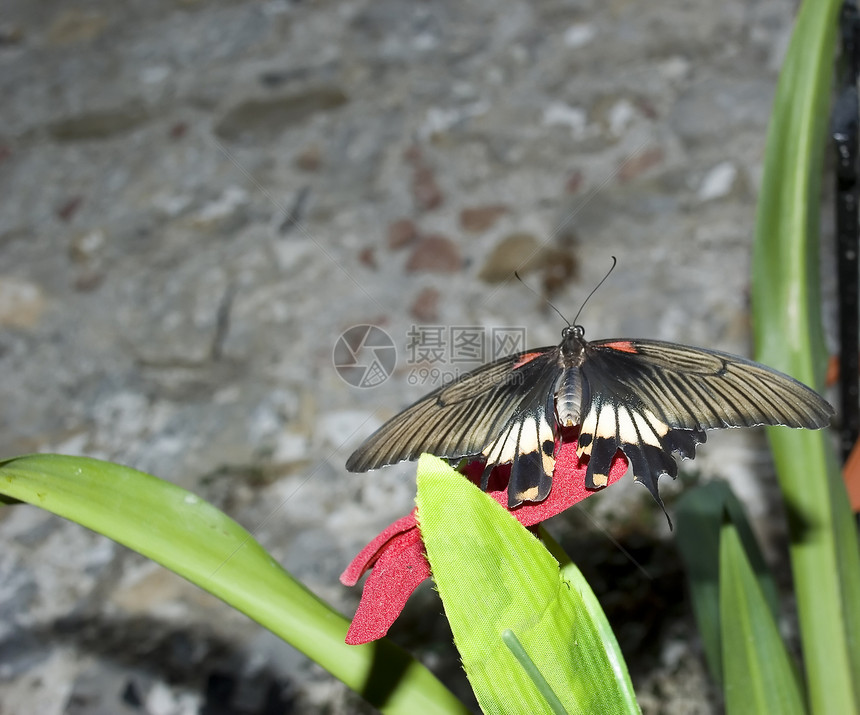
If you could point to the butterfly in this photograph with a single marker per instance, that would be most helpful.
(647, 398)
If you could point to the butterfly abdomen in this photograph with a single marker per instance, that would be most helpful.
(570, 397)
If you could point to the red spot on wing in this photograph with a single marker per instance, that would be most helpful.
(624, 346)
(527, 358)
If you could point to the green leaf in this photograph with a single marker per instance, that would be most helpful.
(180, 531)
(759, 675)
(699, 517)
(573, 576)
(509, 604)
(788, 335)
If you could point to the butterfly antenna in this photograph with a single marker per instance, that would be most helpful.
(594, 290)
(543, 298)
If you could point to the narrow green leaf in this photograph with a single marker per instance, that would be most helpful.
(180, 531)
(509, 638)
(759, 675)
(576, 581)
(699, 517)
(495, 577)
(788, 335)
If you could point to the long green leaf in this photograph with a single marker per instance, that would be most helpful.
(759, 675)
(192, 538)
(573, 577)
(699, 517)
(788, 336)
(508, 604)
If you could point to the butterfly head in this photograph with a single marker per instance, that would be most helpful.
(573, 342)
(575, 332)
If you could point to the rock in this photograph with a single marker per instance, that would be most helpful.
(291, 447)
(10, 34)
(520, 252)
(401, 233)
(260, 120)
(560, 266)
(425, 191)
(434, 254)
(309, 159)
(89, 280)
(718, 182)
(425, 307)
(573, 117)
(224, 207)
(67, 210)
(620, 116)
(87, 245)
(170, 203)
(440, 120)
(76, 26)
(675, 69)
(639, 163)
(367, 257)
(21, 302)
(155, 74)
(579, 34)
(99, 124)
(573, 183)
(481, 218)
(338, 428)
(714, 106)
(646, 107)
(413, 155)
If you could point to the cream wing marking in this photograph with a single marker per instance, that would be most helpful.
(646, 441)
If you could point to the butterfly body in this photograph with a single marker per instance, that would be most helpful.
(570, 389)
(647, 398)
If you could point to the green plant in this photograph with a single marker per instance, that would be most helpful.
(788, 336)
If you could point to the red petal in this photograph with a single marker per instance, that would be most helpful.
(397, 554)
(369, 555)
(400, 567)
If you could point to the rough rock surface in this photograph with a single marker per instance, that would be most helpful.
(198, 200)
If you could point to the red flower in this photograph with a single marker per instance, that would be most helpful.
(397, 555)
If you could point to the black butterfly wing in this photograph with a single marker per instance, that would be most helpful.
(527, 440)
(693, 388)
(650, 398)
(503, 410)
